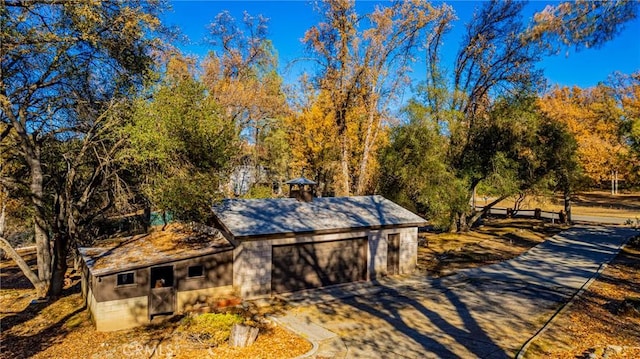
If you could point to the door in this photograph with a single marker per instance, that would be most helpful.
(162, 297)
(311, 265)
(393, 254)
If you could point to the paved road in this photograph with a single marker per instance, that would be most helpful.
(486, 312)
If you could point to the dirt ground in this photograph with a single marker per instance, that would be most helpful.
(494, 241)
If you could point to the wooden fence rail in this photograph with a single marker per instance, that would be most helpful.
(561, 217)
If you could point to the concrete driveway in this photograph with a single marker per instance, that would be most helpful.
(487, 312)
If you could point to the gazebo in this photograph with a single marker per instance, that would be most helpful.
(302, 189)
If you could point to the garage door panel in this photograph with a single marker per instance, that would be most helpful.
(312, 265)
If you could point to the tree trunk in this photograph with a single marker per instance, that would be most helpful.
(613, 185)
(40, 286)
(477, 215)
(43, 246)
(453, 223)
(344, 164)
(2, 213)
(462, 222)
(567, 203)
(362, 176)
(61, 251)
(368, 144)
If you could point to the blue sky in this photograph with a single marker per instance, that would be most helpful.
(290, 19)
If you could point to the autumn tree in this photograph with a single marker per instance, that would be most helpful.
(240, 74)
(62, 65)
(363, 71)
(313, 140)
(594, 118)
(180, 143)
(627, 93)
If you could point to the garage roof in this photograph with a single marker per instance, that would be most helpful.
(244, 218)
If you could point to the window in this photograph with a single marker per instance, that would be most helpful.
(126, 278)
(195, 271)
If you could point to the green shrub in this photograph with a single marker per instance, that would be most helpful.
(259, 191)
(210, 328)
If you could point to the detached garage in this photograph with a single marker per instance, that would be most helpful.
(291, 244)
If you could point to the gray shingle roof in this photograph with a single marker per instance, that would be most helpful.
(260, 217)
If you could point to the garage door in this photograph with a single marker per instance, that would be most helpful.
(312, 265)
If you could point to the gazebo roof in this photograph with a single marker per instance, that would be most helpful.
(301, 181)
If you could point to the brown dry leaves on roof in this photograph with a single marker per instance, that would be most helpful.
(176, 241)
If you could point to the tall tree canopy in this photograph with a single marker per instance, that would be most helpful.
(594, 117)
(62, 64)
(240, 74)
(581, 24)
(494, 60)
(363, 63)
(484, 111)
(627, 93)
(181, 143)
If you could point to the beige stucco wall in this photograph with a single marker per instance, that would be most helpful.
(408, 250)
(252, 269)
(253, 259)
(118, 314)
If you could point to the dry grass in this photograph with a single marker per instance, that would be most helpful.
(600, 317)
(495, 241)
(595, 203)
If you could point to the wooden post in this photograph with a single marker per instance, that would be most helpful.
(537, 213)
(473, 201)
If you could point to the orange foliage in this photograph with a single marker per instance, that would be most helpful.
(594, 118)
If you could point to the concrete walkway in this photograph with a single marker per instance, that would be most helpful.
(487, 312)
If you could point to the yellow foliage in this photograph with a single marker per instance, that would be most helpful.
(313, 137)
(593, 117)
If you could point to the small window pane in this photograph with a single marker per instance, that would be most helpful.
(195, 271)
(125, 278)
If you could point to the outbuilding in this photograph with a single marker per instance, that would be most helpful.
(259, 248)
(290, 244)
(127, 281)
